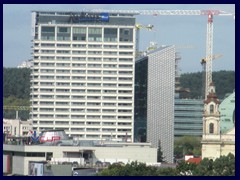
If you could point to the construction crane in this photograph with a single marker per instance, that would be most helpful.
(17, 108)
(204, 60)
(153, 46)
(138, 26)
(203, 63)
(148, 27)
(209, 41)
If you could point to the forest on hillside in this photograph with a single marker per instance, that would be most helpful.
(16, 83)
(224, 82)
(16, 91)
(16, 87)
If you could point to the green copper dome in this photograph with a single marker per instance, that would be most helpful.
(227, 110)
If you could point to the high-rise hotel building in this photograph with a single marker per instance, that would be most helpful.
(83, 74)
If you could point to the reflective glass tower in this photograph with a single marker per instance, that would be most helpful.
(154, 99)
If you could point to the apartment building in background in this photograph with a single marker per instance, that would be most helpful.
(83, 74)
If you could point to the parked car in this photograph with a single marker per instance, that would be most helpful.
(87, 162)
(75, 164)
(105, 164)
(98, 163)
(118, 163)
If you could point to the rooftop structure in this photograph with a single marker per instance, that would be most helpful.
(26, 64)
(16, 127)
(20, 157)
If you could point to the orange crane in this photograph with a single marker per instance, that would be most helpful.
(209, 41)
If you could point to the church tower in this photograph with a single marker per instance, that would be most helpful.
(211, 138)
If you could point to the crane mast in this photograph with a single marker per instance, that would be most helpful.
(209, 41)
(209, 54)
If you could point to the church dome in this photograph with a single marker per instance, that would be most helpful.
(227, 111)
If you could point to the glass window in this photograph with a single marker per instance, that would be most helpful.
(79, 34)
(48, 29)
(63, 30)
(95, 34)
(211, 128)
(211, 109)
(63, 33)
(126, 35)
(48, 33)
(110, 34)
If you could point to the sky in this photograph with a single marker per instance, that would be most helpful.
(188, 33)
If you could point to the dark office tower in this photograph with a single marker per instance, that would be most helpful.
(154, 99)
(188, 117)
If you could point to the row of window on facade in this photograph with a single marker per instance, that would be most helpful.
(95, 59)
(83, 116)
(93, 97)
(110, 66)
(90, 78)
(90, 34)
(76, 98)
(82, 52)
(114, 73)
(81, 84)
(87, 123)
(112, 111)
(63, 103)
(91, 91)
(94, 129)
(81, 46)
(120, 93)
(8, 127)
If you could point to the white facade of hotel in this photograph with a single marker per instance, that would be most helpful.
(84, 86)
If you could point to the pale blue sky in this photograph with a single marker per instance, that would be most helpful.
(179, 30)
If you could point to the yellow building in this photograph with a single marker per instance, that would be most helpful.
(215, 143)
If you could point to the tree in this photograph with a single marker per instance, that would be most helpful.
(131, 169)
(16, 82)
(224, 166)
(13, 101)
(187, 145)
(223, 80)
(16, 91)
(160, 153)
(167, 172)
(186, 168)
(204, 168)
